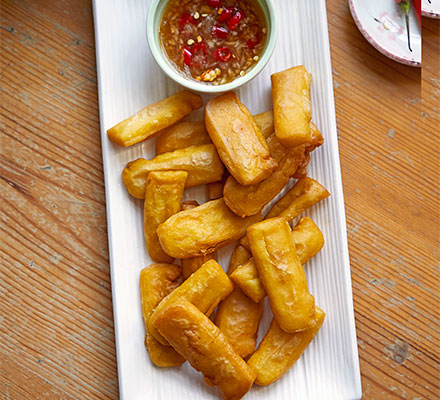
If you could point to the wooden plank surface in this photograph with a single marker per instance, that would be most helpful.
(55, 296)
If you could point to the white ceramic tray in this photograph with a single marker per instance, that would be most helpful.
(129, 79)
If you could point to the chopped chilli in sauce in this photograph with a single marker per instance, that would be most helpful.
(213, 41)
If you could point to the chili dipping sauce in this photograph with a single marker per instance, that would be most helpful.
(213, 41)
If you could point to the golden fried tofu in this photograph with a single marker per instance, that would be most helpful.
(184, 134)
(195, 337)
(163, 194)
(249, 200)
(264, 121)
(201, 162)
(292, 108)
(205, 288)
(247, 279)
(152, 119)
(308, 239)
(316, 138)
(244, 241)
(238, 140)
(238, 257)
(191, 265)
(282, 274)
(302, 196)
(301, 171)
(279, 350)
(237, 316)
(316, 141)
(202, 230)
(156, 282)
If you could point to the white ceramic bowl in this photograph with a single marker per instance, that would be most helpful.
(154, 17)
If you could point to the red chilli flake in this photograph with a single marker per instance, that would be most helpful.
(186, 19)
(187, 55)
(214, 3)
(223, 54)
(219, 32)
(235, 19)
(226, 14)
(199, 46)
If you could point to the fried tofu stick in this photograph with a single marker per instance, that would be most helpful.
(282, 274)
(201, 162)
(202, 230)
(264, 121)
(247, 279)
(195, 337)
(292, 108)
(163, 194)
(156, 282)
(152, 119)
(249, 200)
(238, 257)
(205, 288)
(238, 139)
(308, 240)
(191, 265)
(280, 350)
(302, 196)
(184, 134)
(237, 316)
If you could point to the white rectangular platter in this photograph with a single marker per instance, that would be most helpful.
(129, 79)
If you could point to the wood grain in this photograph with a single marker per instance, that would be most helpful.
(55, 304)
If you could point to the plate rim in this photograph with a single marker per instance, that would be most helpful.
(376, 44)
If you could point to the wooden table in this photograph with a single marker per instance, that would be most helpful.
(55, 305)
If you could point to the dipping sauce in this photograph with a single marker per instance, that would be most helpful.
(213, 41)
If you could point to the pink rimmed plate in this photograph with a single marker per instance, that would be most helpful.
(431, 8)
(383, 24)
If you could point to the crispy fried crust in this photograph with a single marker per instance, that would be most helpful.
(156, 282)
(279, 350)
(247, 279)
(249, 200)
(264, 121)
(163, 194)
(205, 288)
(202, 230)
(184, 134)
(201, 162)
(237, 316)
(302, 196)
(191, 265)
(195, 337)
(282, 274)
(292, 108)
(308, 240)
(152, 119)
(238, 139)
